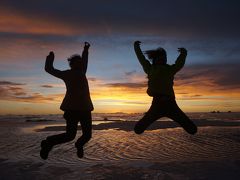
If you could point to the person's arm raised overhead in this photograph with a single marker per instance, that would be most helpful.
(179, 63)
(85, 56)
(49, 66)
(141, 58)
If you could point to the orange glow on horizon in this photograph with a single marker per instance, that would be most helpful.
(129, 100)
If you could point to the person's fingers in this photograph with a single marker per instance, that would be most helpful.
(87, 43)
(50, 55)
(137, 42)
(182, 50)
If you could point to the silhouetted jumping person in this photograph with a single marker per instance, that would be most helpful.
(77, 104)
(160, 87)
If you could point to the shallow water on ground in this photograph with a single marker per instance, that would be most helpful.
(168, 153)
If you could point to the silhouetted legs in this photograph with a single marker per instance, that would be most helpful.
(71, 130)
(86, 124)
(165, 106)
(180, 117)
(72, 118)
(146, 120)
(155, 112)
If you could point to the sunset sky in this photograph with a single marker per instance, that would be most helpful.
(29, 29)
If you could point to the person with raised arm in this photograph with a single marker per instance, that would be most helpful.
(77, 104)
(160, 86)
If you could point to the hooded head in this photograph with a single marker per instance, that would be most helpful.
(158, 56)
(75, 62)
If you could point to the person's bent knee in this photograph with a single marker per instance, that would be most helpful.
(70, 137)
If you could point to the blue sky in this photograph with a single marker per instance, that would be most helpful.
(208, 29)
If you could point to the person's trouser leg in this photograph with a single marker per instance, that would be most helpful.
(71, 130)
(176, 114)
(153, 114)
(86, 124)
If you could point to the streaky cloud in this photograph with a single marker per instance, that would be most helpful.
(10, 83)
(126, 85)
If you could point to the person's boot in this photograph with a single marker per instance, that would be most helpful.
(45, 149)
(80, 152)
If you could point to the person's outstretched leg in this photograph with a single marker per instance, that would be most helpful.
(154, 113)
(69, 135)
(86, 124)
(176, 114)
(145, 122)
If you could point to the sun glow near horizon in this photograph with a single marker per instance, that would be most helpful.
(119, 99)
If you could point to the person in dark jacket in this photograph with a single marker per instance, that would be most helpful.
(77, 104)
(160, 86)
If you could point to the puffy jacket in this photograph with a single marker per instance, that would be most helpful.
(160, 77)
(77, 95)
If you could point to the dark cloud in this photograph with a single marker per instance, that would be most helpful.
(39, 38)
(200, 78)
(34, 98)
(12, 91)
(126, 85)
(10, 83)
(7, 92)
(217, 77)
(136, 102)
(92, 79)
(36, 46)
(47, 86)
(130, 73)
(187, 17)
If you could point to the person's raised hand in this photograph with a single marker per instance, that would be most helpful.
(182, 50)
(50, 56)
(86, 45)
(137, 43)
